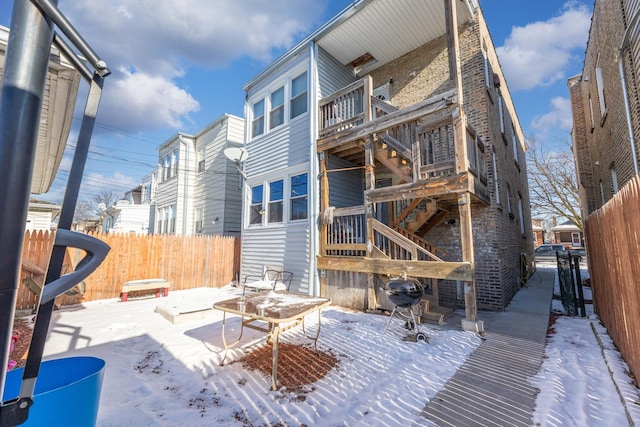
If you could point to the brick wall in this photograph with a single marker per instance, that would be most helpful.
(608, 143)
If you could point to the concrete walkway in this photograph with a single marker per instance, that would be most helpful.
(491, 388)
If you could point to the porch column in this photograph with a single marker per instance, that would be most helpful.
(470, 322)
(369, 183)
(324, 205)
(453, 45)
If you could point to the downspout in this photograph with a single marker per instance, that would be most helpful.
(623, 82)
(186, 183)
(314, 280)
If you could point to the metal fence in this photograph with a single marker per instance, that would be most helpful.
(570, 283)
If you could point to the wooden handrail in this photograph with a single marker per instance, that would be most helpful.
(399, 239)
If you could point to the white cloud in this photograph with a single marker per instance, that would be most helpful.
(136, 100)
(558, 118)
(157, 41)
(93, 183)
(539, 53)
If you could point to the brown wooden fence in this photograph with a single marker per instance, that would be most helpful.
(187, 262)
(613, 243)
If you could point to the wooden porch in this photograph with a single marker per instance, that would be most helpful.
(433, 162)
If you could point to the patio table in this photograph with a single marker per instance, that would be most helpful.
(273, 312)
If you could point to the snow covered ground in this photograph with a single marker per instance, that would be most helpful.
(164, 374)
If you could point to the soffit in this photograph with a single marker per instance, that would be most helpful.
(387, 29)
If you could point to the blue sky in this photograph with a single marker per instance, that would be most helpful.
(179, 64)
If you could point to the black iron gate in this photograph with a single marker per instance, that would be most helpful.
(570, 283)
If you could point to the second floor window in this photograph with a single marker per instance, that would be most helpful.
(257, 125)
(276, 116)
(299, 95)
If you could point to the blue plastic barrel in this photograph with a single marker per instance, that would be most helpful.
(67, 392)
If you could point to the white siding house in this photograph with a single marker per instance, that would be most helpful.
(40, 215)
(370, 147)
(128, 215)
(198, 190)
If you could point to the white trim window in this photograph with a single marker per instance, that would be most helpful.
(523, 230)
(167, 219)
(485, 61)
(257, 124)
(201, 160)
(600, 84)
(199, 222)
(591, 112)
(501, 112)
(285, 100)
(516, 143)
(496, 186)
(298, 197)
(256, 208)
(276, 201)
(614, 179)
(509, 201)
(299, 95)
(276, 115)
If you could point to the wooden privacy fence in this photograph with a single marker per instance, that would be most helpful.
(613, 243)
(185, 261)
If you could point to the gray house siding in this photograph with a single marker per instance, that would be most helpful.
(278, 154)
(332, 75)
(347, 187)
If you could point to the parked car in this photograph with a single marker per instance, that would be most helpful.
(547, 251)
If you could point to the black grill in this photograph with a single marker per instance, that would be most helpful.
(404, 293)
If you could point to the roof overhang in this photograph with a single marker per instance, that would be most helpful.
(384, 30)
(61, 90)
(381, 29)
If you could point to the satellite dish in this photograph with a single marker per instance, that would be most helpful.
(236, 154)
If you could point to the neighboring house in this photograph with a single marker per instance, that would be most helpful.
(198, 190)
(128, 215)
(59, 99)
(41, 214)
(605, 104)
(568, 234)
(384, 138)
(537, 227)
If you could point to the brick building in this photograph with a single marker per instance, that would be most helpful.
(605, 104)
(416, 162)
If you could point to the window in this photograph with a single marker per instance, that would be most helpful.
(501, 112)
(255, 209)
(614, 179)
(201, 162)
(257, 125)
(299, 95)
(486, 67)
(199, 223)
(600, 84)
(165, 168)
(515, 142)
(276, 198)
(298, 197)
(591, 112)
(496, 187)
(521, 216)
(276, 115)
(509, 202)
(174, 163)
(172, 219)
(601, 193)
(575, 239)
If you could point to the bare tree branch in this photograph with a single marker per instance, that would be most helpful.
(553, 183)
